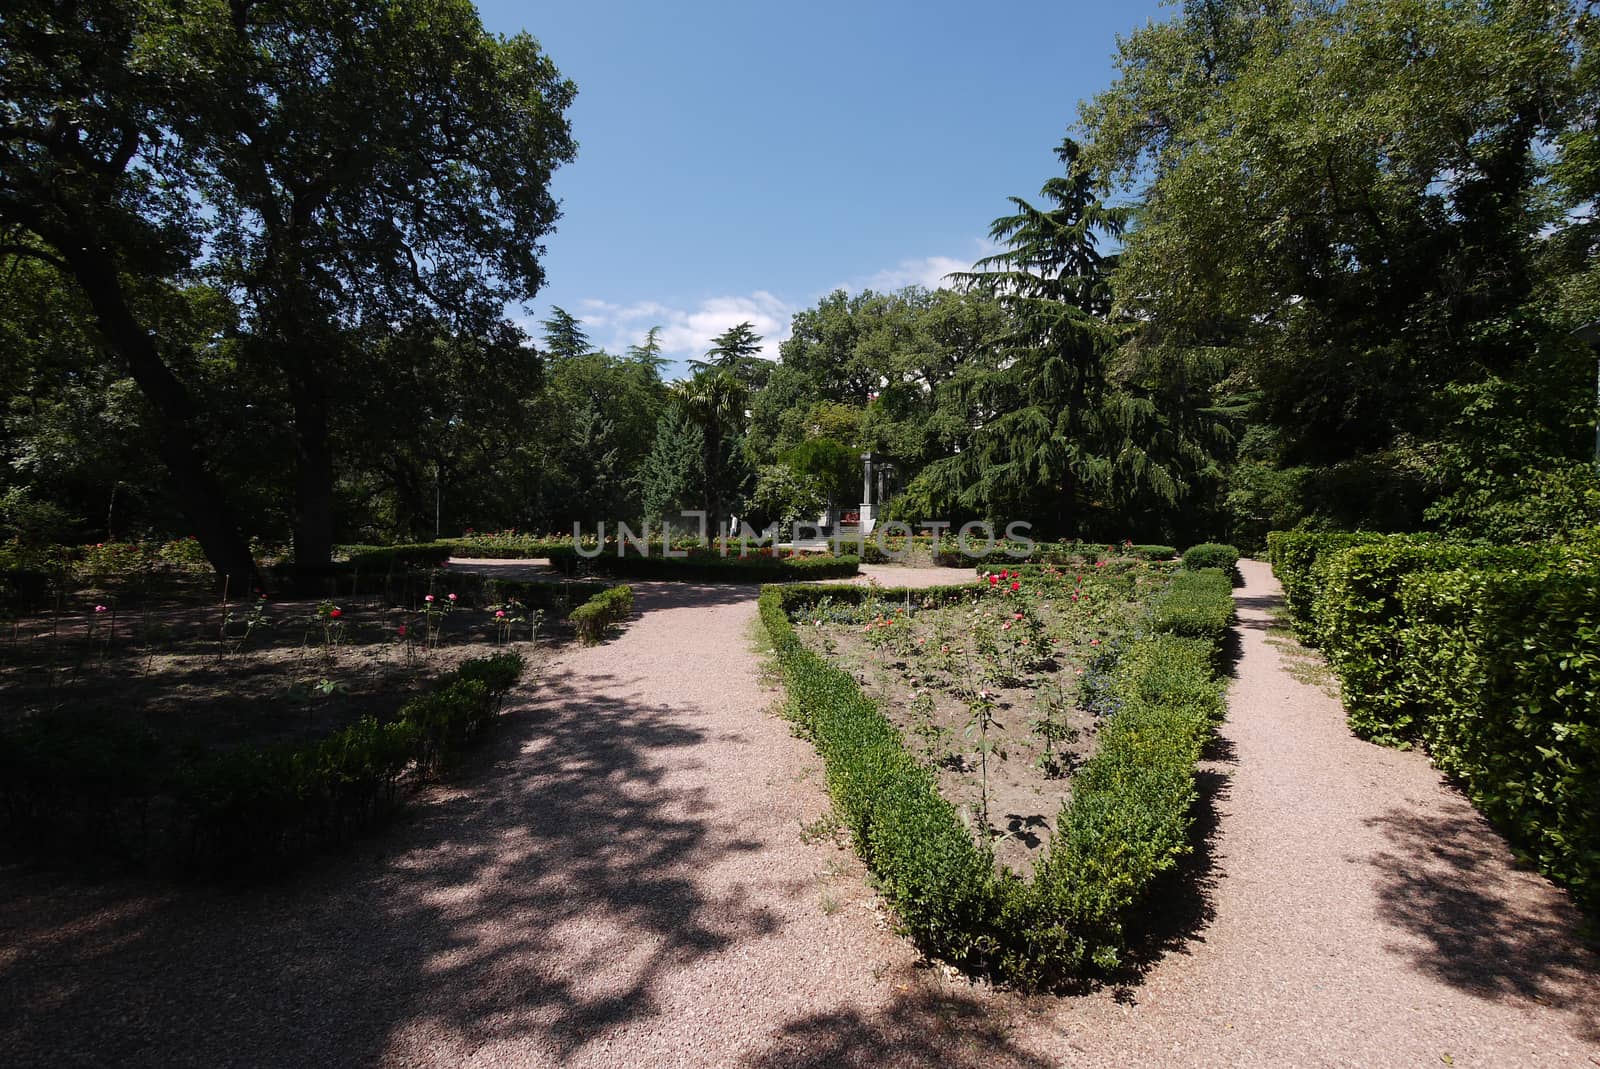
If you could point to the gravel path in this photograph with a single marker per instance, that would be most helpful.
(620, 880)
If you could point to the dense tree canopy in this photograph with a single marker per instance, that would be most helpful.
(338, 170)
(1376, 210)
(1303, 262)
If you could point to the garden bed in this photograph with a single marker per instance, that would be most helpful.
(1128, 812)
(200, 671)
(148, 723)
(926, 658)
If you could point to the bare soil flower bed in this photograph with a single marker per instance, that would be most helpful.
(995, 690)
(197, 671)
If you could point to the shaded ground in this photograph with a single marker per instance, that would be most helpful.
(195, 669)
(620, 880)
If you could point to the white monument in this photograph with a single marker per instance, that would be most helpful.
(871, 490)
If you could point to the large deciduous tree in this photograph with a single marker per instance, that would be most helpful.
(1368, 204)
(339, 168)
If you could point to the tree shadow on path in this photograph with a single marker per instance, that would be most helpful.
(1477, 925)
(536, 899)
(931, 1029)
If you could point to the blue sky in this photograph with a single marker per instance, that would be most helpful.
(737, 161)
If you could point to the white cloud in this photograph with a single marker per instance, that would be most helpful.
(929, 271)
(926, 271)
(686, 333)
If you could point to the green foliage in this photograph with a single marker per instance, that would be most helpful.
(498, 674)
(711, 566)
(835, 467)
(1375, 215)
(1503, 663)
(308, 162)
(66, 783)
(1515, 465)
(564, 336)
(1488, 657)
(1055, 435)
(588, 436)
(1211, 555)
(875, 371)
(1129, 816)
(783, 496)
(600, 613)
(736, 351)
(507, 545)
(1300, 560)
(715, 400)
(381, 559)
(1126, 824)
(672, 477)
(1361, 624)
(1198, 603)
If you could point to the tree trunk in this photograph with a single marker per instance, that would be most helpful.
(198, 490)
(313, 477)
(713, 482)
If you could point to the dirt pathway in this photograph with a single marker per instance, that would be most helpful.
(621, 880)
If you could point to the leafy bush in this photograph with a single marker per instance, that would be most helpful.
(1129, 816)
(711, 566)
(1211, 555)
(1154, 552)
(1485, 655)
(556, 599)
(599, 613)
(185, 551)
(1300, 560)
(109, 787)
(1360, 623)
(1504, 666)
(1127, 821)
(1196, 604)
(505, 546)
(379, 559)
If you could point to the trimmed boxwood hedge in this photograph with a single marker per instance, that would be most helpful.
(1127, 821)
(710, 567)
(1196, 604)
(1487, 656)
(1211, 555)
(1503, 665)
(1361, 623)
(597, 615)
(382, 559)
(504, 548)
(1300, 559)
(107, 789)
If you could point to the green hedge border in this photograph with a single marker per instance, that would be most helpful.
(701, 568)
(106, 789)
(1488, 656)
(1127, 821)
(605, 610)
